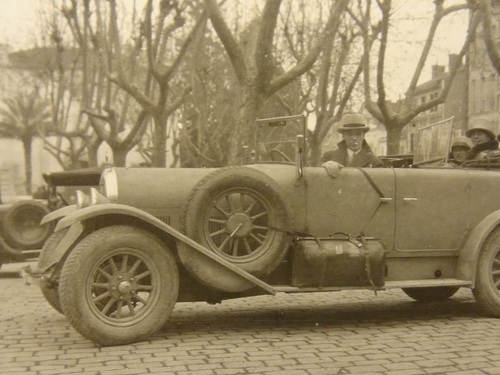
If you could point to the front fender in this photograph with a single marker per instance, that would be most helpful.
(75, 218)
(86, 213)
(469, 255)
(57, 214)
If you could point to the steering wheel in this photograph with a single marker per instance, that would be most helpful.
(276, 155)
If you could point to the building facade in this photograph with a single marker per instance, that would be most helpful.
(475, 91)
(455, 104)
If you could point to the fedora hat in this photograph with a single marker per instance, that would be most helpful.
(483, 125)
(353, 121)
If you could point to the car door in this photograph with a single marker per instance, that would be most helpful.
(431, 209)
(359, 200)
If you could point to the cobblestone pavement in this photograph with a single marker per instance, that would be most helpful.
(349, 332)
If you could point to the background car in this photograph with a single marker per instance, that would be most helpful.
(121, 258)
(21, 235)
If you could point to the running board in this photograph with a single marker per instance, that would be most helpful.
(426, 283)
(388, 285)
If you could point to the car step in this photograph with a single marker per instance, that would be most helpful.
(388, 285)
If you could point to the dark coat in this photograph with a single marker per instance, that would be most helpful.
(364, 158)
(477, 151)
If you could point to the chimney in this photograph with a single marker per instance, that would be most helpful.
(437, 70)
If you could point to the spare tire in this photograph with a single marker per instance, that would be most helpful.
(21, 225)
(238, 213)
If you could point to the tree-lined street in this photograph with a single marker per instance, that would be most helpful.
(180, 83)
(325, 333)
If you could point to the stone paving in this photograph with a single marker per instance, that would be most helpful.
(349, 332)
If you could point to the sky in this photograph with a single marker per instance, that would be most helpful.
(410, 27)
(18, 21)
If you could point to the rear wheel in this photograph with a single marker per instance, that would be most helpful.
(431, 294)
(119, 285)
(487, 288)
(22, 228)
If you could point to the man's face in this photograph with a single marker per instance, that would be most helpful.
(353, 139)
(459, 153)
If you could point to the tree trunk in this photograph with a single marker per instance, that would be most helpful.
(244, 129)
(92, 153)
(393, 140)
(315, 151)
(159, 156)
(119, 157)
(27, 163)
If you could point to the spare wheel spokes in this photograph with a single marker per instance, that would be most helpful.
(237, 223)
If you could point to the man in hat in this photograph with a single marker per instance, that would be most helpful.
(352, 151)
(483, 139)
(459, 148)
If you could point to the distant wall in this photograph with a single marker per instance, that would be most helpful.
(12, 179)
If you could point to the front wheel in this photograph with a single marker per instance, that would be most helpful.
(119, 285)
(487, 288)
(431, 294)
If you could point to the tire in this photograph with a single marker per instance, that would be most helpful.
(21, 225)
(431, 294)
(247, 204)
(487, 287)
(119, 285)
(51, 292)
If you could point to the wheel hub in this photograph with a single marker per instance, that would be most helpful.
(239, 225)
(122, 286)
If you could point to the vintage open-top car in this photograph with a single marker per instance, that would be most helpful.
(121, 258)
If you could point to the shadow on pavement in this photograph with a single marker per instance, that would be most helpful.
(344, 315)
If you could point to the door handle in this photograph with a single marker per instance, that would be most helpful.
(410, 199)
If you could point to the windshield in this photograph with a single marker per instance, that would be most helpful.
(276, 139)
(433, 143)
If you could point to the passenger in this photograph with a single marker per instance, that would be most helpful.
(352, 151)
(459, 148)
(483, 139)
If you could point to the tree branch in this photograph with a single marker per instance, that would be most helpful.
(234, 50)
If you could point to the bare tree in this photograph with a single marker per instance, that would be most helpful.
(124, 78)
(111, 115)
(395, 116)
(255, 70)
(69, 79)
(153, 92)
(336, 80)
(489, 34)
